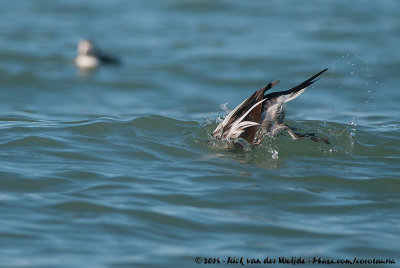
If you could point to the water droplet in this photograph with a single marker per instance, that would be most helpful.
(224, 107)
(274, 153)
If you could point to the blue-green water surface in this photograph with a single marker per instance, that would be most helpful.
(117, 168)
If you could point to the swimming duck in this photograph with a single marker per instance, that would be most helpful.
(263, 114)
(89, 57)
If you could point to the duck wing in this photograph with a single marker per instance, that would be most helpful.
(244, 118)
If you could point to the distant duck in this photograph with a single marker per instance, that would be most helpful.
(90, 57)
(263, 114)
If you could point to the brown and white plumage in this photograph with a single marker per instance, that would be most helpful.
(262, 114)
(90, 57)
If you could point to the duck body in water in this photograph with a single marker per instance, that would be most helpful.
(263, 114)
(90, 57)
